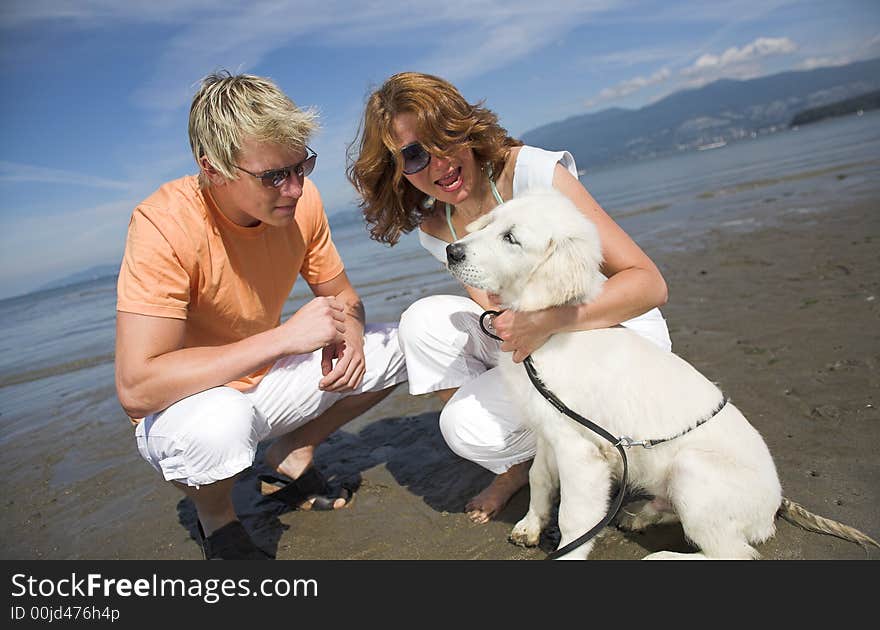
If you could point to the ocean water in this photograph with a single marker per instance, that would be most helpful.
(56, 346)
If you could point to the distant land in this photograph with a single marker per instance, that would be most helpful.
(714, 114)
(862, 103)
(86, 275)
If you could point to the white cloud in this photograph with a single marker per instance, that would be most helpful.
(870, 48)
(735, 62)
(733, 56)
(87, 13)
(634, 56)
(823, 62)
(867, 49)
(630, 86)
(12, 172)
(462, 38)
(739, 11)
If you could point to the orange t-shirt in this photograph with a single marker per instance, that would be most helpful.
(185, 260)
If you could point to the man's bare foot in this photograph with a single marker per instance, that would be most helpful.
(486, 505)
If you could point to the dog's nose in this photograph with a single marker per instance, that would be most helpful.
(454, 253)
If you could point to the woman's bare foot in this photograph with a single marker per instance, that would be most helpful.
(486, 505)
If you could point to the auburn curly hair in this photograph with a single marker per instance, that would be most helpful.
(446, 123)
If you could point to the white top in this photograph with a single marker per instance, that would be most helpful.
(533, 170)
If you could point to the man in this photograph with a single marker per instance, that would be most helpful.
(201, 354)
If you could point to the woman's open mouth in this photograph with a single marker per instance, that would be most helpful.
(450, 182)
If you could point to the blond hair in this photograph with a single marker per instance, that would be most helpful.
(229, 108)
(446, 123)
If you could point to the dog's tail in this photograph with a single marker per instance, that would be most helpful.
(798, 515)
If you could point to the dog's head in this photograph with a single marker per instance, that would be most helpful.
(535, 251)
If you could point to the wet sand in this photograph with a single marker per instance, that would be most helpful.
(785, 320)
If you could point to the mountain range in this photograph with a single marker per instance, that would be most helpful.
(86, 275)
(723, 111)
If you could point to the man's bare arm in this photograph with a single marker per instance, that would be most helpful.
(153, 370)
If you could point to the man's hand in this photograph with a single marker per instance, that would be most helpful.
(524, 332)
(318, 324)
(348, 351)
(348, 373)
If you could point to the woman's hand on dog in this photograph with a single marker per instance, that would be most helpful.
(524, 332)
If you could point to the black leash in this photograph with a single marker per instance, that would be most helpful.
(618, 443)
(618, 500)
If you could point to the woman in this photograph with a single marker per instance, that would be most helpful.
(430, 160)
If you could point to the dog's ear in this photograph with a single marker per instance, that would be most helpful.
(479, 223)
(568, 274)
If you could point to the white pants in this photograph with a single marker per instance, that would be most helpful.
(445, 348)
(214, 434)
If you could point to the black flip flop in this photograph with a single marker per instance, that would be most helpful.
(309, 485)
(230, 542)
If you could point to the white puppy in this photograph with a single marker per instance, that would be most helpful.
(717, 478)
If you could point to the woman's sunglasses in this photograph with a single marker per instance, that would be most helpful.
(276, 177)
(415, 158)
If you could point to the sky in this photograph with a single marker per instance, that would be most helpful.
(95, 93)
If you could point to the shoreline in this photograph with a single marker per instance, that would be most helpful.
(783, 317)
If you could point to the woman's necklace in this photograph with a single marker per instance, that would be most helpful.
(479, 209)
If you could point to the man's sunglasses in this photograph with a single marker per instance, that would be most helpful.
(415, 158)
(276, 177)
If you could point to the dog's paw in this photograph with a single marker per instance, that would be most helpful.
(640, 515)
(526, 533)
(662, 555)
(631, 517)
(674, 555)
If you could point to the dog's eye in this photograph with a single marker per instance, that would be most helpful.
(508, 236)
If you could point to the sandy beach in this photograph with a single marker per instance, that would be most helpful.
(784, 319)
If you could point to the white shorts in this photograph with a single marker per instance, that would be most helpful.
(214, 434)
(445, 349)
